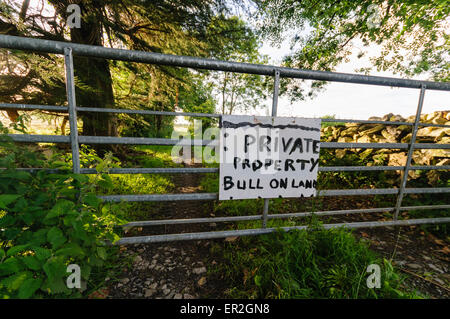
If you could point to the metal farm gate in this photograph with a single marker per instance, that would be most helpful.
(68, 49)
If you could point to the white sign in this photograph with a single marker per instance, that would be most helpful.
(268, 157)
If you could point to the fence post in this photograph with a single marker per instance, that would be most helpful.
(410, 152)
(70, 89)
(276, 86)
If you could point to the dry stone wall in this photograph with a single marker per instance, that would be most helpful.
(380, 133)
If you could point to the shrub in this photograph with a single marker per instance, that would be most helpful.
(48, 221)
(316, 263)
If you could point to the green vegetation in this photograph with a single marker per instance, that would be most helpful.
(305, 264)
(327, 124)
(48, 221)
(315, 263)
(42, 232)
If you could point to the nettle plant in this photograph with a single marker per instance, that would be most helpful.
(48, 221)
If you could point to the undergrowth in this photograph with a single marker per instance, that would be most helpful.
(126, 184)
(48, 222)
(316, 263)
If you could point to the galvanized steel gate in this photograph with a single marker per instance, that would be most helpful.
(68, 49)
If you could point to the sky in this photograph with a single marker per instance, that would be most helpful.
(355, 101)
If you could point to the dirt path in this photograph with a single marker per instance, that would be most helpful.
(171, 270)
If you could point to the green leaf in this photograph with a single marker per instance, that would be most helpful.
(115, 238)
(9, 266)
(61, 207)
(29, 287)
(80, 178)
(55, 285)
(55, 267)
(6, 221)
(104, 184)
(257, 280)
(94, 261)
(28, 218)
(7, 199)
(39, 237)
(32, 262)
(92, 200)
(56, 237)
(2, 254)
(17, 175)
(42, 253)
(100, 166)
(41, 198)
(86, 272)
(70, 218)
(70, 250)
(21, 205)
(15, 281)
(16, 249)
(11, 233)
(58, 164)
(80, 232)
(101, 251)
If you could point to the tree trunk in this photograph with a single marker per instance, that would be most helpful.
(13, 115)
(63, 125)
(94, 84)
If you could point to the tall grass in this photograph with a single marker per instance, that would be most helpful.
(316, 263)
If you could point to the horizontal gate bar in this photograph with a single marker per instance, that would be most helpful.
(331, 212)
(425, 207)
(159, 197)
(142, 141)
(145, 112)
(430, 190)
(251, 217)
(106, 140)
(214, 196)
(429, 167)
(195, 170)
(260, 231)
(381, 122)
(216, 170)
(31, 107)
(198, 170)
(191, 221)
(33, 138)
(337, 145)
(47, 170)
(105, 110)
(365, 121)
(166, 141)
(356, 211)
(379, 168)
(163, 170)
(275, 216)
(149, 112)
(382, 191)
(48, 46)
